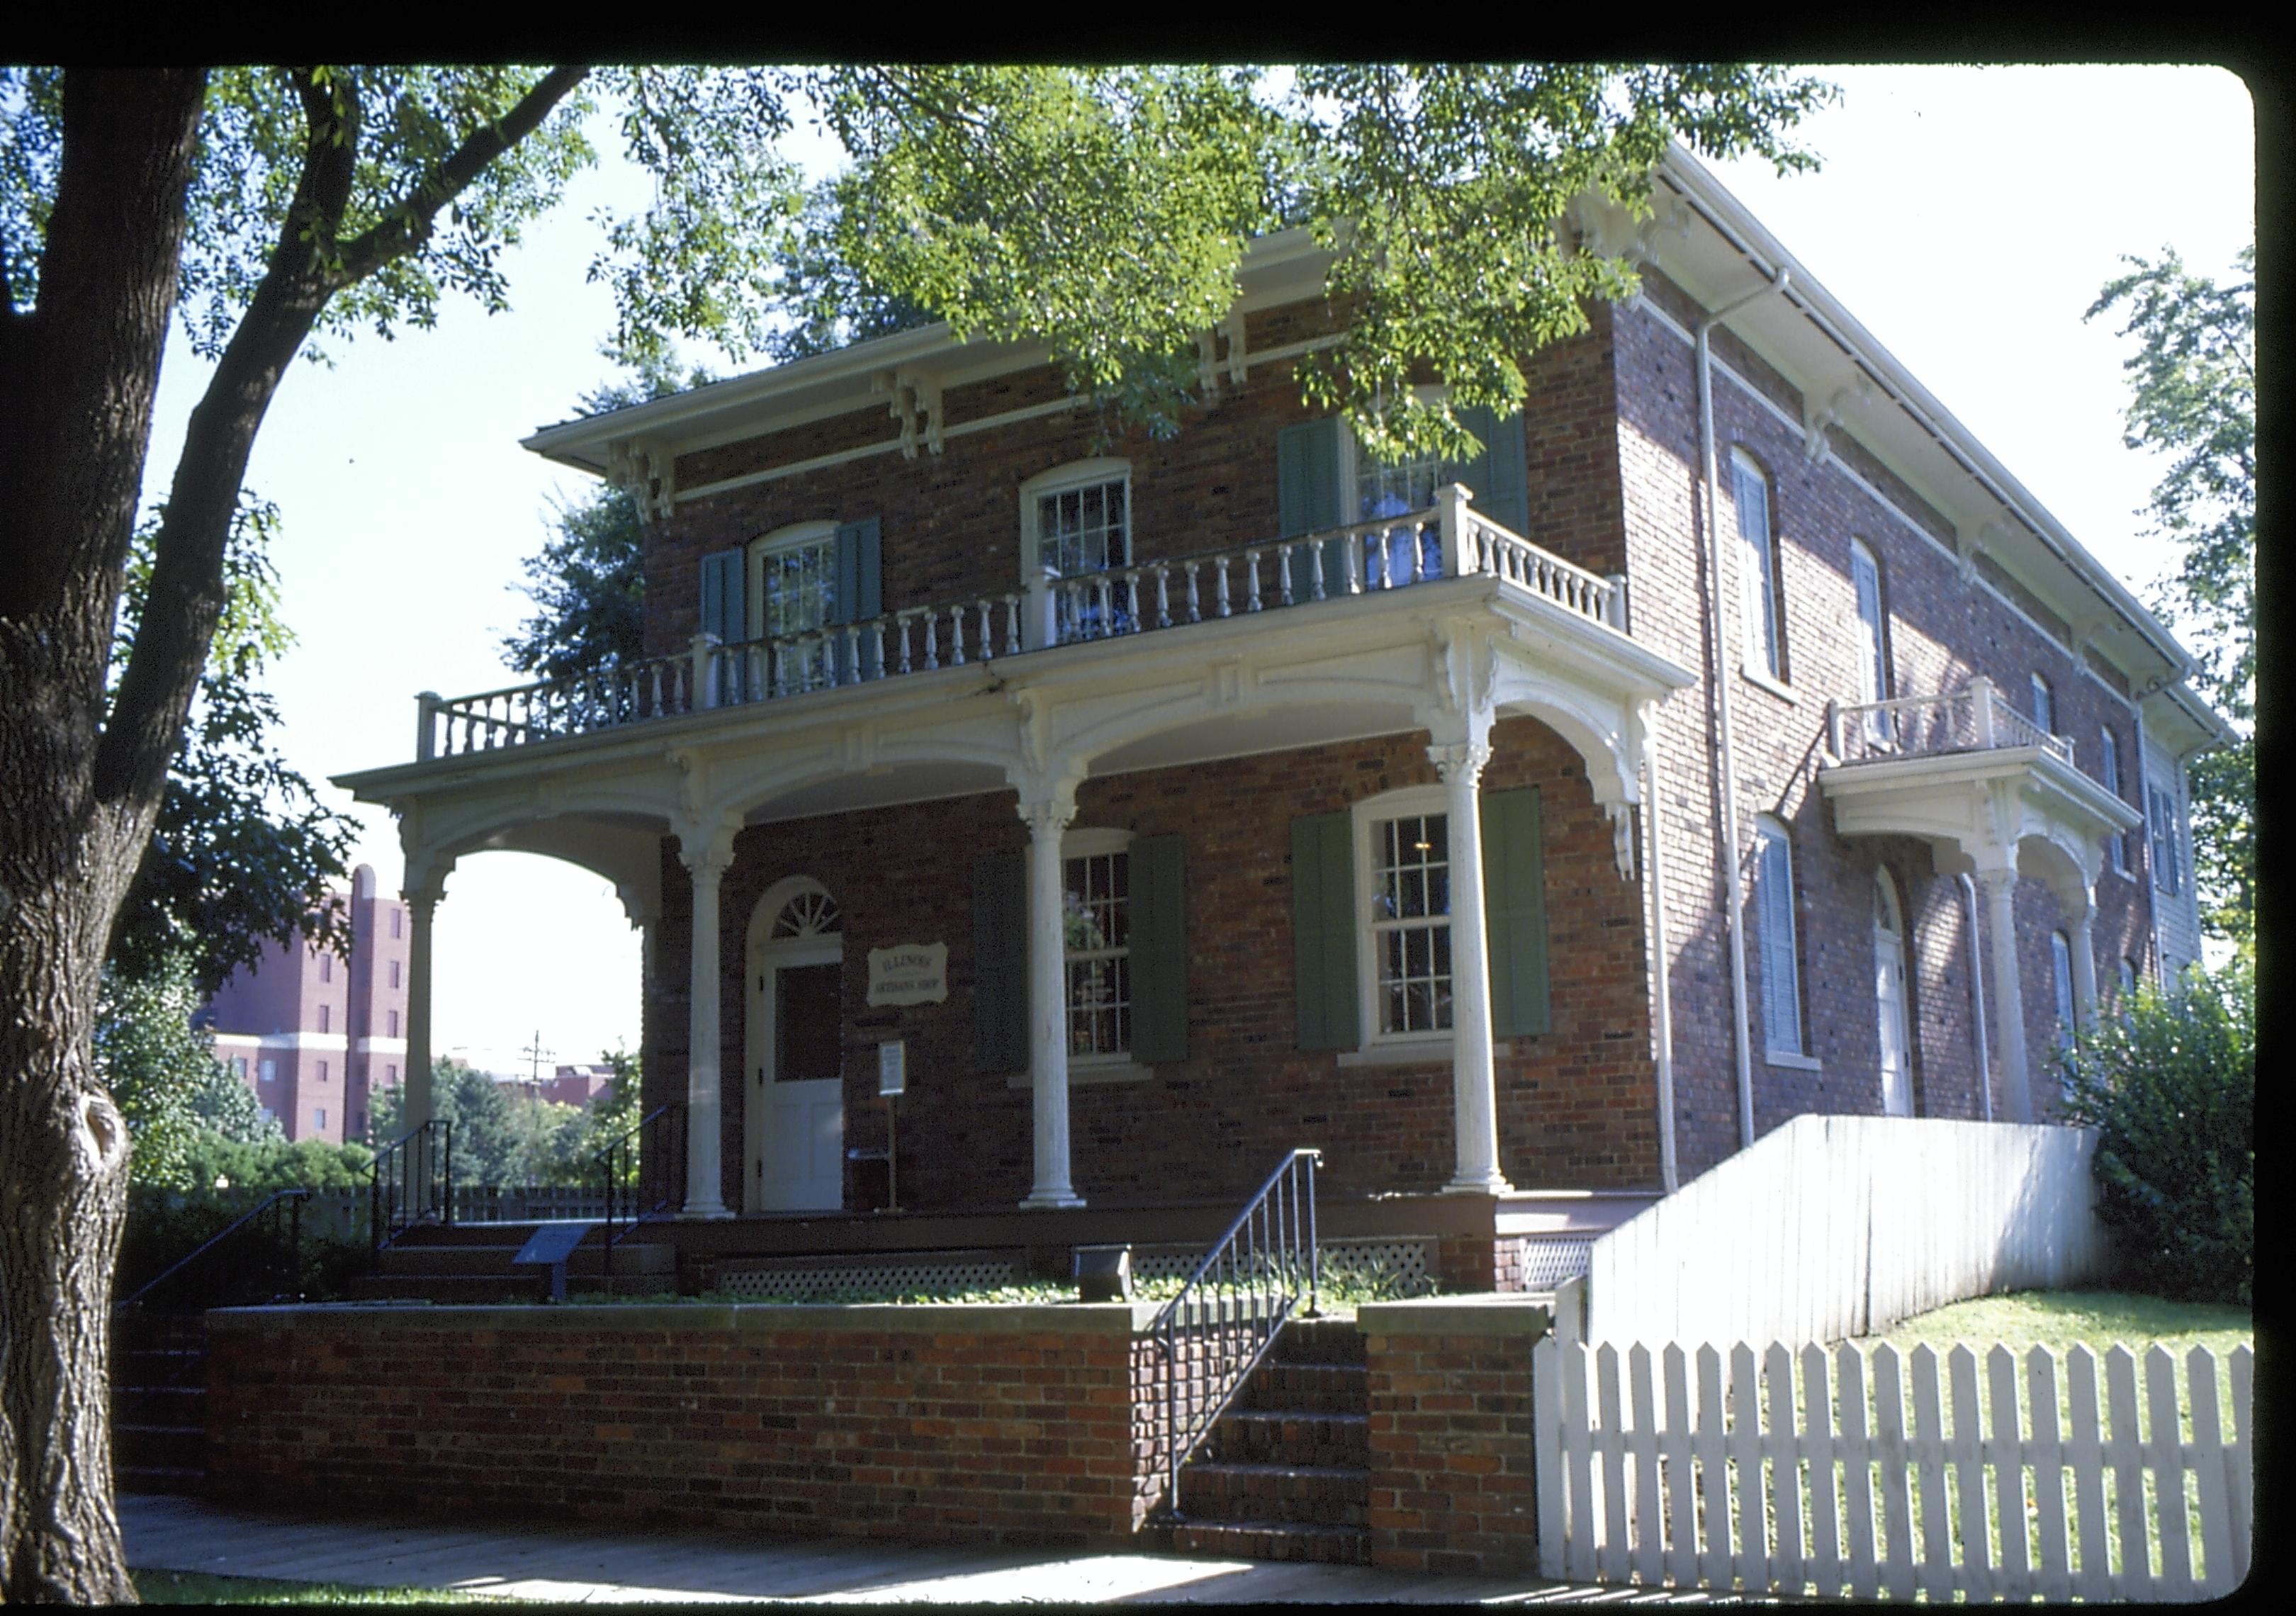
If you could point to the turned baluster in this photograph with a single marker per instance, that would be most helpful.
(933, 642)
(1221, 562)
(987, 629)
(1251, 580)
(957, 636)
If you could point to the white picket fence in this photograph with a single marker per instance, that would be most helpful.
(1855, 1480)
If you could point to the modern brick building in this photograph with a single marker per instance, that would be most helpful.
(1122, 782)
(315, 1035)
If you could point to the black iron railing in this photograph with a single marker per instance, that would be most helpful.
(246, 1260)
(411, 1183)
(643, 1170)
(1212, 1336)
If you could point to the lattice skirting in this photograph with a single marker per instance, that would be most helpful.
(1547, 1263)
(1403, 1267)
(927, 1272)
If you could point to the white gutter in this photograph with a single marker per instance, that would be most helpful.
(1727, 824)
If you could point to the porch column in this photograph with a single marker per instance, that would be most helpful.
(2084, 943)
(1048, 1045)
(415, 1108)
(1474, 1098)
(2000, 887)
(705, 856)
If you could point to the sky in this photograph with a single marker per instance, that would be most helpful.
(1955, 215)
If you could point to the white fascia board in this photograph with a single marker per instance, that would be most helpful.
(840, 379)
(1737, 226)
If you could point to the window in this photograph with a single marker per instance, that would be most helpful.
(322, 1072)
(270, 1071)
(1096, 921)
(391, 1074)
(1410, 921)
(326, 967)
(319, 1118)
(391, 1018)
(2167, 848)
(359, 1122)
(2044, 705)
(239, 1066)
(394, 974)
(1773, 906)
(1757, 569)
(2116, 844)
(1077, 521)
(2060, 966)
(325, 1014)
(397, 916)
(1873, 638)
(792, 590)
(2130, 977)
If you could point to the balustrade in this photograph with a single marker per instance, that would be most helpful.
(1976, 718)
(1392, 553)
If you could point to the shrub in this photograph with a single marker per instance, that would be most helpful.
(2169, 1082)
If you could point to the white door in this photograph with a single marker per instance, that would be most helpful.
(1890, 1001)
(795, 1110)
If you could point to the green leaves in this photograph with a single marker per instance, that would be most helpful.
(2193, 399)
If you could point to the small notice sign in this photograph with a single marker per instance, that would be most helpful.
(893, 1067)
(909, 973)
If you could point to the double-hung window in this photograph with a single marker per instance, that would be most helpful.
(2168, 849)
(1410, 922)
(1873, 637)
(2044, 706)
(1097, 927)
(1077, 532)
(1757, 569)
(792, 590)
(1773, 903)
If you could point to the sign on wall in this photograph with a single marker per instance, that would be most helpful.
(909, 973)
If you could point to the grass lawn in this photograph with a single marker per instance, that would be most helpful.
(2059, 1320)
(197, 1587)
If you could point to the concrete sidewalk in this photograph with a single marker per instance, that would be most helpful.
(177, 1534)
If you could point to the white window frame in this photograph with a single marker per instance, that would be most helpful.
(1408, 803)
(1351, 460)
(1873, 638)
(796, 535)
(2044, 705)
(1761, 589)
(1065, 479)
(1095, 843)
(1767, 831)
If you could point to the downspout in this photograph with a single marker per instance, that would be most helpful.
(2145, 846)
(1661, 987)
(1733, 875)
(1977, 989)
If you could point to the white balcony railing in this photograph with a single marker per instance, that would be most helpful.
(1446, 540)
(1977, 718)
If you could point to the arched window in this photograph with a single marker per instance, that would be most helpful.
(810, 912)
(1773, 906)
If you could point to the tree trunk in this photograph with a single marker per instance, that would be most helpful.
(79, 369)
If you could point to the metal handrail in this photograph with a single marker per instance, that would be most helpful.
(1215, 1332)
(655, 1138)
(411, 1182)
(294, 1198)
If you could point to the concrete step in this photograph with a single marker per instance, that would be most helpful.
(1308, 1388)
(1296, 1495)
(159, 1447)
(450, 1287)
(1268, 1540)
(631, 1257)
(1287, 1437)
(1319, 1340)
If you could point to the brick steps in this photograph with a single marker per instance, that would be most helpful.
(159, 1406)
(1286, 1471)
(473, 1264)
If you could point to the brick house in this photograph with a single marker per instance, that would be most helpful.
(314, 1034)
(1120, 781)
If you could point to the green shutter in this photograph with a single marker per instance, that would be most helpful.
(1000, 963)
(860, 588)
(1159, 953)
(1500, 475)
(1514, 914)
(722, 597)
(1307, 494)
(1323, 931)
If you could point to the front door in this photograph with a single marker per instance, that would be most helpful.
(801, 1088)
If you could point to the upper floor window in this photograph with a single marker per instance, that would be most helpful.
(397, 917)
(1757, 569)
(2168, 846)
(394, 974)
(1873, 624)
(325, 1015)
(1076, 520)
(270, 1071)
(1097, 923)
(2044, 705)
(392, 1016)
(326, 967)
(1774, 905)
(2116, 844)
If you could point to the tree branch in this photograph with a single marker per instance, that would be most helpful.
(407, 225)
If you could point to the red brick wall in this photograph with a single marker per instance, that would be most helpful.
(1575, 1105)
(1452, 1444)
(1944, 629)
(936, 1430)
